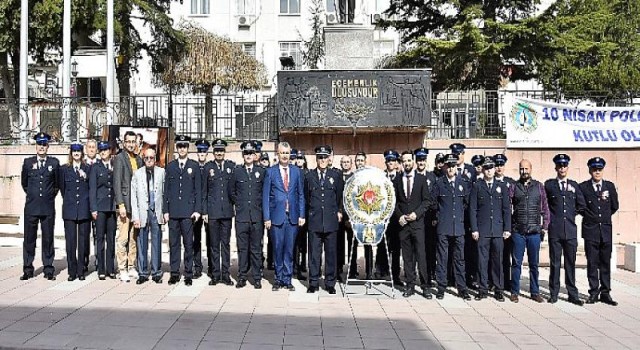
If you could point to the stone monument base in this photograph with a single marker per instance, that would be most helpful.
(348, 46)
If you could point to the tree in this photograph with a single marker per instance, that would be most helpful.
(208, 62)
(466, 43)
(590, 46)
(313, 51)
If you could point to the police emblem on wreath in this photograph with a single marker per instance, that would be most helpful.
(369, 200)
(524, 117)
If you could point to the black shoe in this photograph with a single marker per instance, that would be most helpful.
(331, 290)
(353, 275)
(499, 297)
(227, 281)
(552, 300)
(409, 292)
(440, 295)
(241, 283)
(50, 277)
(157, 279)
(426, 294)
(102, 277)
(142, 280)
(575, 301)
(81, 277)
(480, 296)
(71, 278)
(368, 277)
(593, 298)
(26, 276)
(465, 295)
(257, 285)
(214, 281)
(174, 280)
(303, 268)
(606, 298)
(301, 277)
(112, 276)
(276, 287)
(197, 274)
(312, 289)
(398, 283)
(291, 288)
(188, 281)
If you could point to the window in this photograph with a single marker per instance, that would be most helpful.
(199, 7)
(246, 7)
(331, 6)
(293, 50)
(249, 49)
(290, 7)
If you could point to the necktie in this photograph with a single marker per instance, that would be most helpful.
(286, 179)
(489, 184)
(76, 169)
(150, 189)
(408, 190)
(453, 185)
(564, 185)
(459, 171)
(41, 163)
(599, 189)
(181, 167)
(249, 171)
(321, 178)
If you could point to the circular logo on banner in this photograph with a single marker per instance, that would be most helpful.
(369, 200)
(524, 117)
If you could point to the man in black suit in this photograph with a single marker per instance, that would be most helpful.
(323, 194)
(202, 146)
(345, 232)
(430, 219)
(565, 201)
(412, 200)
(39, 178)
(601, 203)
(392, 244)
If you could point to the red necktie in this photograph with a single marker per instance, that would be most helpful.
(286, 179)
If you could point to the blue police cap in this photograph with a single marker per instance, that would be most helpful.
(182, 140)
(264, 156)
(457, 148)
(42, 138)
(421, 153)
(258, 145)
(488, 163)
(477, 160)
(323, 150)
(103, 145)
(561, 159)
(451, 159)
(440, 158)
(202, 145)
(293, 154)
(219, 144)
(248, 147)
(390, 155)
(76, 146)
(300, 154)
(500, 159)
(596, 163)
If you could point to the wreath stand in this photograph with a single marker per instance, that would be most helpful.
(369, 284)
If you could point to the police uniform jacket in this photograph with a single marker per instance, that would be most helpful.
(564, 206)
(490, 209)
(324, 201)
(596, 221)
(450, 203)
(101, 195)
(217, 201)
(182, 190)
(74, 188)
(40, 185)
(246, 193)
(418, 202)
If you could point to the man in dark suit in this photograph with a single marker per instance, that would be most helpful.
(219, 212)
(430, 219)
(124, 164)
(301, 247)
(393, 170)
(39, 178)
(565, 201)
(202, 146)
(601, 200)
(490, 219)
(283, 209)
(412, 200)
(182, 207)
(345, 232)
(323, 193)
(451, 196)
(245, 188)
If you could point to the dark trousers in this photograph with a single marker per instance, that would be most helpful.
(181, 228)
(318, 241)
(412, 243)
(490, 262)
(284, 239)
(431, 248)
(470, 259)
(382, 259)
(106, 236)
(197, 246)
(300, 253)
(347, 14)
(269, 249)
(220, 232)
(29, 244)
(558, 248)
(87, 248)
(249, 241)
(457, 245)
(352, 248)
(598, 266)
(151, 228)
(506, 262)
(76, 236)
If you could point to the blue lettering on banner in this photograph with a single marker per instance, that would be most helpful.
(625, 116)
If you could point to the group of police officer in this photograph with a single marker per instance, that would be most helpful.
(460, 224)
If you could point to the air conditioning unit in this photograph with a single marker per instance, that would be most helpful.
(332, 18)
(243, 22)
(377, 17)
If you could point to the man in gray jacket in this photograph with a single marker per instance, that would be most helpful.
(125, 164)
(147, 190)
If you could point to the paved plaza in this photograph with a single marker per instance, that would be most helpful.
(93, 314)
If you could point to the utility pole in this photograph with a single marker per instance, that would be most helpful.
(110, 63)
(66, 72)
(23, 99)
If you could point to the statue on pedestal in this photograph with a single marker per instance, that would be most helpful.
(347, 9)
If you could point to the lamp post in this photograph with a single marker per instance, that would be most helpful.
(74, 105)
(23, 102)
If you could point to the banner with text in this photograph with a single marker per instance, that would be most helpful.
(541, 124)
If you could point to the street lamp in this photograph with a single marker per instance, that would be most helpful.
(74, 95)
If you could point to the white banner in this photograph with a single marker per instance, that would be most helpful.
(542, 124)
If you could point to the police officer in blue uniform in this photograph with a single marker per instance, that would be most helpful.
(73, 181)
(245, 188)
(500, 161)
(323, 194)
(451, 196)
(219, 212)
(565, 201)
(430, 219)
(477, 161)
(265, 163)
(202, 146)
(39, 178)
(103, 210)
(601, 199)
(182, 207)
(490, 219)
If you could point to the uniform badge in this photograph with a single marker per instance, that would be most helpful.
(82, 173)
(35, 166)
(228, 170)
(428, 182)
(460, 188)
(331, 180)
(498, 189)
(257, 175)
(605, 195)
(571, 188)
(189, 171)
(50, 168)
(211, 172)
